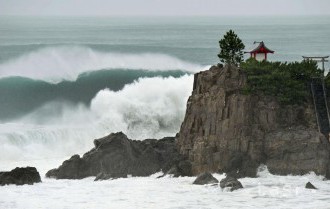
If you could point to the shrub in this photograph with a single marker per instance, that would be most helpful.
(288, 82)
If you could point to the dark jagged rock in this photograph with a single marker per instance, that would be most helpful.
(231, 182)
(309, 185)
(116, 156)
(105, 176)
(183, 168)
(70, 169)
(20, 176)
(227, 131)
(205, 178)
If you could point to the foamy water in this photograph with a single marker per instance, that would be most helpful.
(148, 108)
(266, 191)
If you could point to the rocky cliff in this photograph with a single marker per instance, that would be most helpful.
(227, 131)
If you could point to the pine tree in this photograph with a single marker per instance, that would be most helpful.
(231, 49)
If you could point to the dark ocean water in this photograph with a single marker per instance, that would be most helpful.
(21, 95)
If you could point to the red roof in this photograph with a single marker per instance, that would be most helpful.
(261, 49)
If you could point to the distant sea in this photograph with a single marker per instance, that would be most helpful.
(192, 39)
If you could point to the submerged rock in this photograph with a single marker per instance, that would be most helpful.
(20, 176)
(117, 156)
(309, 185)
(105, 176)
(205, 178)
(231, 182)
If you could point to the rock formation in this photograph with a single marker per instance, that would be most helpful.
(20, 176)
(225, 130)
(117, 156)
(309, 185)
(205, 178)
(231, 182)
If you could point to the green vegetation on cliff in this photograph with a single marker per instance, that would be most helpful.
(231, 49)
(288, 82)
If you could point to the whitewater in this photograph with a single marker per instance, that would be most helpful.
(67, 81)
(146, 108)
(266, 191)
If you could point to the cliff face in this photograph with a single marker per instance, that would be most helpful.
(226, 131)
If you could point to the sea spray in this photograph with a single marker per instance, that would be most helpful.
(148, 108)
(20, 96)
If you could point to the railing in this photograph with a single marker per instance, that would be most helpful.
(321, 105)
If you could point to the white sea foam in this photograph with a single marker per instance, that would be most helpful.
(267, 191)
(147, 108)
(67, 62)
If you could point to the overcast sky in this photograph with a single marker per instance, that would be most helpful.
(164, 7)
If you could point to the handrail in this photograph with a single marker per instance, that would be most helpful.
(325, 100)
(317, 115)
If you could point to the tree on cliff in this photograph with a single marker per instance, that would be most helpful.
(231, 49)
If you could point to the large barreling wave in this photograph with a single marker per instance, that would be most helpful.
(142, 95)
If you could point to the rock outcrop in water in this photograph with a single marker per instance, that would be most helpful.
(20, 176)
(223, 131)
(231, 183)
(227, 131)
(309, 185)
(205, 178)
(116, 156)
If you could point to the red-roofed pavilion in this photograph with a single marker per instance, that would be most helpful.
(260, 53)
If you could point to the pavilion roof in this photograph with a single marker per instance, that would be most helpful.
(261, 49)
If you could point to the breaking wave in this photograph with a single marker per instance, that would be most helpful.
(55, 64)
(147, 108)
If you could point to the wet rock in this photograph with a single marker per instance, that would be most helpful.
(72, 168)
(309, 185)
(117, 156)
(181, 168)
(105, 176)
(20, 176)
(205, 178)
(231, 183)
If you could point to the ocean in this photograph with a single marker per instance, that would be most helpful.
(65, 81)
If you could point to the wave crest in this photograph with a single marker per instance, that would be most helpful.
(67, 62)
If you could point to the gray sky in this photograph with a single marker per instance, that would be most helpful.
(164, 7)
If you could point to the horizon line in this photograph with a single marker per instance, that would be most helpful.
(191, 16)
